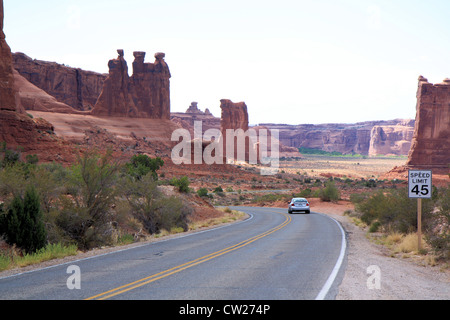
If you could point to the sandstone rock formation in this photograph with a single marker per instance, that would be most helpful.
(77, 88)
(146, 94)
(391, 140)
(7, 91)
(431, 142)
(193, 109)
(34, 98)
(193, 113)
(234, 115)
(152, 86)
(116, 97)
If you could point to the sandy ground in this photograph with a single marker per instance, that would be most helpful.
(372, 274)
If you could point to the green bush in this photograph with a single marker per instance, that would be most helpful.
(202, 192)
(155, 211)
(85, 216)
(23, 224)
(438, 231)
(141, 164)
(330, 192)
(394, 210)
(182, 184)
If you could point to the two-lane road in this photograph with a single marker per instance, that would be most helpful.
(271, 256)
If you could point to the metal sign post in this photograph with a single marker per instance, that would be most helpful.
(420, 187)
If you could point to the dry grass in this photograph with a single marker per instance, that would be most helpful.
(227, 216)
(408, 244)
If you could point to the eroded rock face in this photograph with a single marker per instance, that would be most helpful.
(116, 97)
(36, 99)
(77, 88)
(431, 142)
(234, 115)
(146, 94)
(391, 140)
(7, 91)
(152, 86)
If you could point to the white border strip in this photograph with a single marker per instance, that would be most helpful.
(323, 293)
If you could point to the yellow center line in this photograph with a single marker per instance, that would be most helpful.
(139, 283)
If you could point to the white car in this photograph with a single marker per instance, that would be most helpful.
(299, 204)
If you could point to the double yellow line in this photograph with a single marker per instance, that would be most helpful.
(139, 283)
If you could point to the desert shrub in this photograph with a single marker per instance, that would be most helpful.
(154, 210)
(23, 224)
(85, 212)
(182, 184)
(393, 209)
(330, 192)
(32, 159)
(303, 194)
(141, 165)
(202, 192)
(438, 231)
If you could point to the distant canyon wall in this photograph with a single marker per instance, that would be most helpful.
(371, 138)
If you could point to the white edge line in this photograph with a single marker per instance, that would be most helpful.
(137, 247)
(323, 293)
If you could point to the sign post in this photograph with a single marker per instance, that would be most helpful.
(420, 187)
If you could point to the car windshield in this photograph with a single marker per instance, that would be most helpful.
(299, 202)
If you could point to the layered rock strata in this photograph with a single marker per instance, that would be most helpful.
(391, 140)
(77, 88)
(431, 141)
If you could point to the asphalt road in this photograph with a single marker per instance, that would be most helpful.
(270, 256)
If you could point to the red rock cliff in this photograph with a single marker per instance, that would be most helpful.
(431, 141)
(75, 87)
(7, 92)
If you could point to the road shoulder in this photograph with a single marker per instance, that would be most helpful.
(372, 274)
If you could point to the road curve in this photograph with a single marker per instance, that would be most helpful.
(270, 256)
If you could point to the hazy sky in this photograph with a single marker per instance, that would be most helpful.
(292, 62)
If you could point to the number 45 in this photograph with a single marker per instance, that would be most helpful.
(424, 190)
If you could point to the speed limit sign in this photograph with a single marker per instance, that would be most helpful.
(419, 184)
